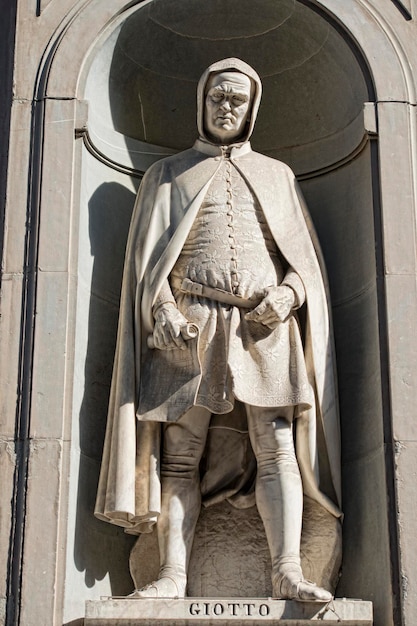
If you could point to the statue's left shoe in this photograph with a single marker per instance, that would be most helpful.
(165, 587)
(292, 585)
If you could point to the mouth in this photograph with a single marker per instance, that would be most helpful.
(225, 120)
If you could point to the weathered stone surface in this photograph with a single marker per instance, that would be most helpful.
(7, 469)
(17, 192)
(406, 480)
(398, 224)
(50, 360)
(402, 291)
(56, 225)
(10, 329)
(2, 610)
(42, 540)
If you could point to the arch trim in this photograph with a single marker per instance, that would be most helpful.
(82, 30)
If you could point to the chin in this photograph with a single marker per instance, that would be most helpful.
(225, 126)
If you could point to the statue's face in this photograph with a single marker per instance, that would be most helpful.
(227, 106)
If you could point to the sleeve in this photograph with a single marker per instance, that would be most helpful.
(292, 280)
(165, 296)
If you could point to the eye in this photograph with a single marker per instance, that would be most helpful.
(217, 97)
(239, 100)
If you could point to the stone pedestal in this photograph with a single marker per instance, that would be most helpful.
(225, 611)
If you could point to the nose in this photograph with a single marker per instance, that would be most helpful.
(225, 105)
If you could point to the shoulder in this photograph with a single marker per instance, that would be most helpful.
(175, 161)
(268, 164)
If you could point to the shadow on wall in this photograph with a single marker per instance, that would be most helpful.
(101, 548)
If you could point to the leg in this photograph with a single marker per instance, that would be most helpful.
(183, 446)
(279, 498)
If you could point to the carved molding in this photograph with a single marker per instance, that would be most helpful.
(103, 158)
(137, 173)
(405, 7)
(41, 5)
(73, 40)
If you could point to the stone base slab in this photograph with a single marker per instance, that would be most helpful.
(224, 611)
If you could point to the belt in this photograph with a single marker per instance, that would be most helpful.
(219, 295)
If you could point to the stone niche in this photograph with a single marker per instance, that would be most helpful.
(140, 92)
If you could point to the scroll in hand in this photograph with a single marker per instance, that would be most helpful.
(171, 329)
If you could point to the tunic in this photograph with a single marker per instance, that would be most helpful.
(230, 247)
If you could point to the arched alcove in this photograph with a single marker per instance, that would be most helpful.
(311, 117)
(314, 90)
(140, 89)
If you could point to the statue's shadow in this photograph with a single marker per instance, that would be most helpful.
(101, 549)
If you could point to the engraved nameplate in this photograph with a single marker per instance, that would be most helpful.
(225, 611)
(241, 608)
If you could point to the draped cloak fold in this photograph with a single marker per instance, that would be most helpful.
(169, 198)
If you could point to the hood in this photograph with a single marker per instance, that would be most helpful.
(223, 66)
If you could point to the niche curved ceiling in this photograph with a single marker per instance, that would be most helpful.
(314, 89)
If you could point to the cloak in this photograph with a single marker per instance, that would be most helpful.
(168, 200)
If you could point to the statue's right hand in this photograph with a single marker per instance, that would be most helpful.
(167, 330)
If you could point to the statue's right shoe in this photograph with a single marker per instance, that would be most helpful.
(165, 587)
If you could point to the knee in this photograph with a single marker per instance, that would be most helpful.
(180, 465)
(275, 448)
(182, 451)
(277, 457)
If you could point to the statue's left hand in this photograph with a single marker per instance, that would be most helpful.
(274, 308)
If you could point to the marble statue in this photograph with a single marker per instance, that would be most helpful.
(224, 316)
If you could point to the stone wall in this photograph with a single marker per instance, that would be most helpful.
(88, 116)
